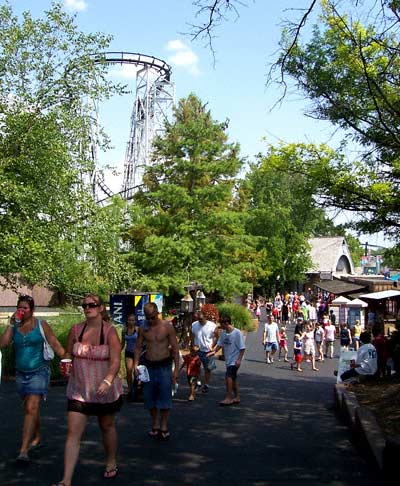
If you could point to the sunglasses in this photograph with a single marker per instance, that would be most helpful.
(91, 305)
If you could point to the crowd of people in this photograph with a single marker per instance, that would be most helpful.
(316, 330)
(153, 361)
(91, 362)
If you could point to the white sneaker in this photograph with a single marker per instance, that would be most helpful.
(268, 361)
(272, 360)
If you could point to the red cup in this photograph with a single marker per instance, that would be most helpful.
(66, 365)
(19, 316)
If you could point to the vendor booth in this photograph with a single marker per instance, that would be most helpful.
(386, 307)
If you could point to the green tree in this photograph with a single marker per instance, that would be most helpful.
(47, 71)
(283, 214)
(185, 225)
(349, 71)
(93, 260)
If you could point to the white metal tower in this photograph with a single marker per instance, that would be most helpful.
(154, 100)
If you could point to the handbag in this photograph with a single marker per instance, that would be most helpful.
(48, 353)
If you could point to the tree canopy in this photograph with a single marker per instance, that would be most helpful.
(348, 70)
(47, 74)
(185, 224)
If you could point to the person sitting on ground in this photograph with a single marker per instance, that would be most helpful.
(193, 368)
(366, 362)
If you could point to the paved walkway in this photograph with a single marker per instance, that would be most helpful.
(284, 433)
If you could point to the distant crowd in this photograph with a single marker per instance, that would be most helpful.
(317, 328)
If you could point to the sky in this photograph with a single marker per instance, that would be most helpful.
(233, 87)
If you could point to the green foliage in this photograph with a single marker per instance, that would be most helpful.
(47, 75)
(185, 223)
(240, 316)
(282, 213)
(391, 258)
(349, 70)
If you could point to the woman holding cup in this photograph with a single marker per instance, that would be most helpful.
(94, 387)
(32, 370)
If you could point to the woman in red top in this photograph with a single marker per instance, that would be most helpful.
(94, 387)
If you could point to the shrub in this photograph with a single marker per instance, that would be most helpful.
(240, 316)
(210, 312)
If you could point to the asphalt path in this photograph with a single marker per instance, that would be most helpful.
(285, 432)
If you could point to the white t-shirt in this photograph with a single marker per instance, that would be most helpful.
(270, 332)
(312, 313)
(368, 359)
(319, 334)
(204, 335)
(233, 343)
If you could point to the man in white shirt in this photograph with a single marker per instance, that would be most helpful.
(205, 337)
(270, 339)
(366, 362)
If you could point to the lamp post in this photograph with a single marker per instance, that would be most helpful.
(193, 301)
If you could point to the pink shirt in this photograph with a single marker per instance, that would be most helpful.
(330, 332)
(90, 367)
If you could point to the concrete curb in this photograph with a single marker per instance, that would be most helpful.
(366, 431)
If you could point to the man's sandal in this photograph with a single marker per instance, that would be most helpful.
(164, 435)
(111, 473)
(154, 433)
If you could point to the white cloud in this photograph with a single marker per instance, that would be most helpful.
(79, 5)
(126, 71)
(183, 56)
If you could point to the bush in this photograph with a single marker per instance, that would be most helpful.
(240, 316)
(210, 312)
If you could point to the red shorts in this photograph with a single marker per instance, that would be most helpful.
(298, 358)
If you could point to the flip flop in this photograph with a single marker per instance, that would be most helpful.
(153, 433)
(225, 404)
(164, 435)
(23, 459)
(35, 447)
(111, 473)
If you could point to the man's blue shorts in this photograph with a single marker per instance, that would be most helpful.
(231, 372)
(33, 382)
(157, 393)
(208, 362)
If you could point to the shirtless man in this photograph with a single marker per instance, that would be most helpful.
(161, 349)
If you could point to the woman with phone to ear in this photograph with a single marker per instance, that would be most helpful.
(32, 373)
(94, 387)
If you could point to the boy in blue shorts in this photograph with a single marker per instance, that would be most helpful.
(231, 340)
